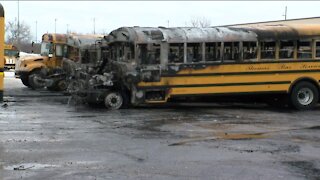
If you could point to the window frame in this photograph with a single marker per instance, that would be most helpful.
(274, 51)
(310, 46)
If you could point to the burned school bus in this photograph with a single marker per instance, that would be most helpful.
(154, 65)
(46, 70)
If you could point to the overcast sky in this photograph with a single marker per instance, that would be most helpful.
(78, 15)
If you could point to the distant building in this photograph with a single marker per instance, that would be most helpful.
(310, 20)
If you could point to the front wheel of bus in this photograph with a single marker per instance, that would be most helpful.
(36, 80)
(113, 100)
(304, 96)
(25, 80)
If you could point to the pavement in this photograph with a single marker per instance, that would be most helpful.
(46, 135)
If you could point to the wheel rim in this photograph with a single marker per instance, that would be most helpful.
(305, 96)
(113, 100)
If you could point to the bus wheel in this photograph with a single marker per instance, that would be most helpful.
(113, 100)
(25, 81)
(61, 85)
(304, 96)
(36, 80)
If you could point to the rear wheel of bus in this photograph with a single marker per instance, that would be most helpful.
(304, 96)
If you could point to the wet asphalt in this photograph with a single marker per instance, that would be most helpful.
(43, 135)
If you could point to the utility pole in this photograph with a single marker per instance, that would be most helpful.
(94, 25)
(36, 31)
(67, 28)
(55, 25)
(285, 13)
(168, 22)
(18, 33)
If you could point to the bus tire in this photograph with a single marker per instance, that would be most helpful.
(61, 85)
(35, 80)
(304, 96)
(25, 80)
(113, 100)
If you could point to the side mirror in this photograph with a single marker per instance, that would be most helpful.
(50, 55)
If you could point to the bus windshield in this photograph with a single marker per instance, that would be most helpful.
(46, 48)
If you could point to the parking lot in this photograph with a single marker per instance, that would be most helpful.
(45, 135)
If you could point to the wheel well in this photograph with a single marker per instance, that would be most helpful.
(33, 70)
(304, 79)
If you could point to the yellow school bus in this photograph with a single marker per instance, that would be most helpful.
(10, 55)
(32, 70)
(1, 51)
(155, 65)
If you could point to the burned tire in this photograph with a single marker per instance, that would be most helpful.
(25, 80)
(35, 80)
(304, 96)
(61, 85)
(114, 100)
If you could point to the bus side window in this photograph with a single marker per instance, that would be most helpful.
(250, 50)
(227, 54)
(149, 54)
(304, 49)
(131, 53)
(154, 53)
(286, 49)
(194, 52)
(231, 51)
(211, 52)
(121, 54)
(268, 50)
(236, 51)
(176, 53)
(318, 49)
(142, 49)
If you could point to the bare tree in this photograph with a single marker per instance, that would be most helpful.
(200, 22)
(18, 34)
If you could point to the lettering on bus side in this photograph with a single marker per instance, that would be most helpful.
(257, 68)
(285, 67)
(305, 66)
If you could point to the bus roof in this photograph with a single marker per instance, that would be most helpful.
(71, 39)
(284, 32)
(214, 34)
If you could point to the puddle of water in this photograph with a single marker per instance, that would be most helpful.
(222, 136)
(27, 166)
(215, 126)
(84, 116)
(314, 127)
(240, 136)
(306, 169)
